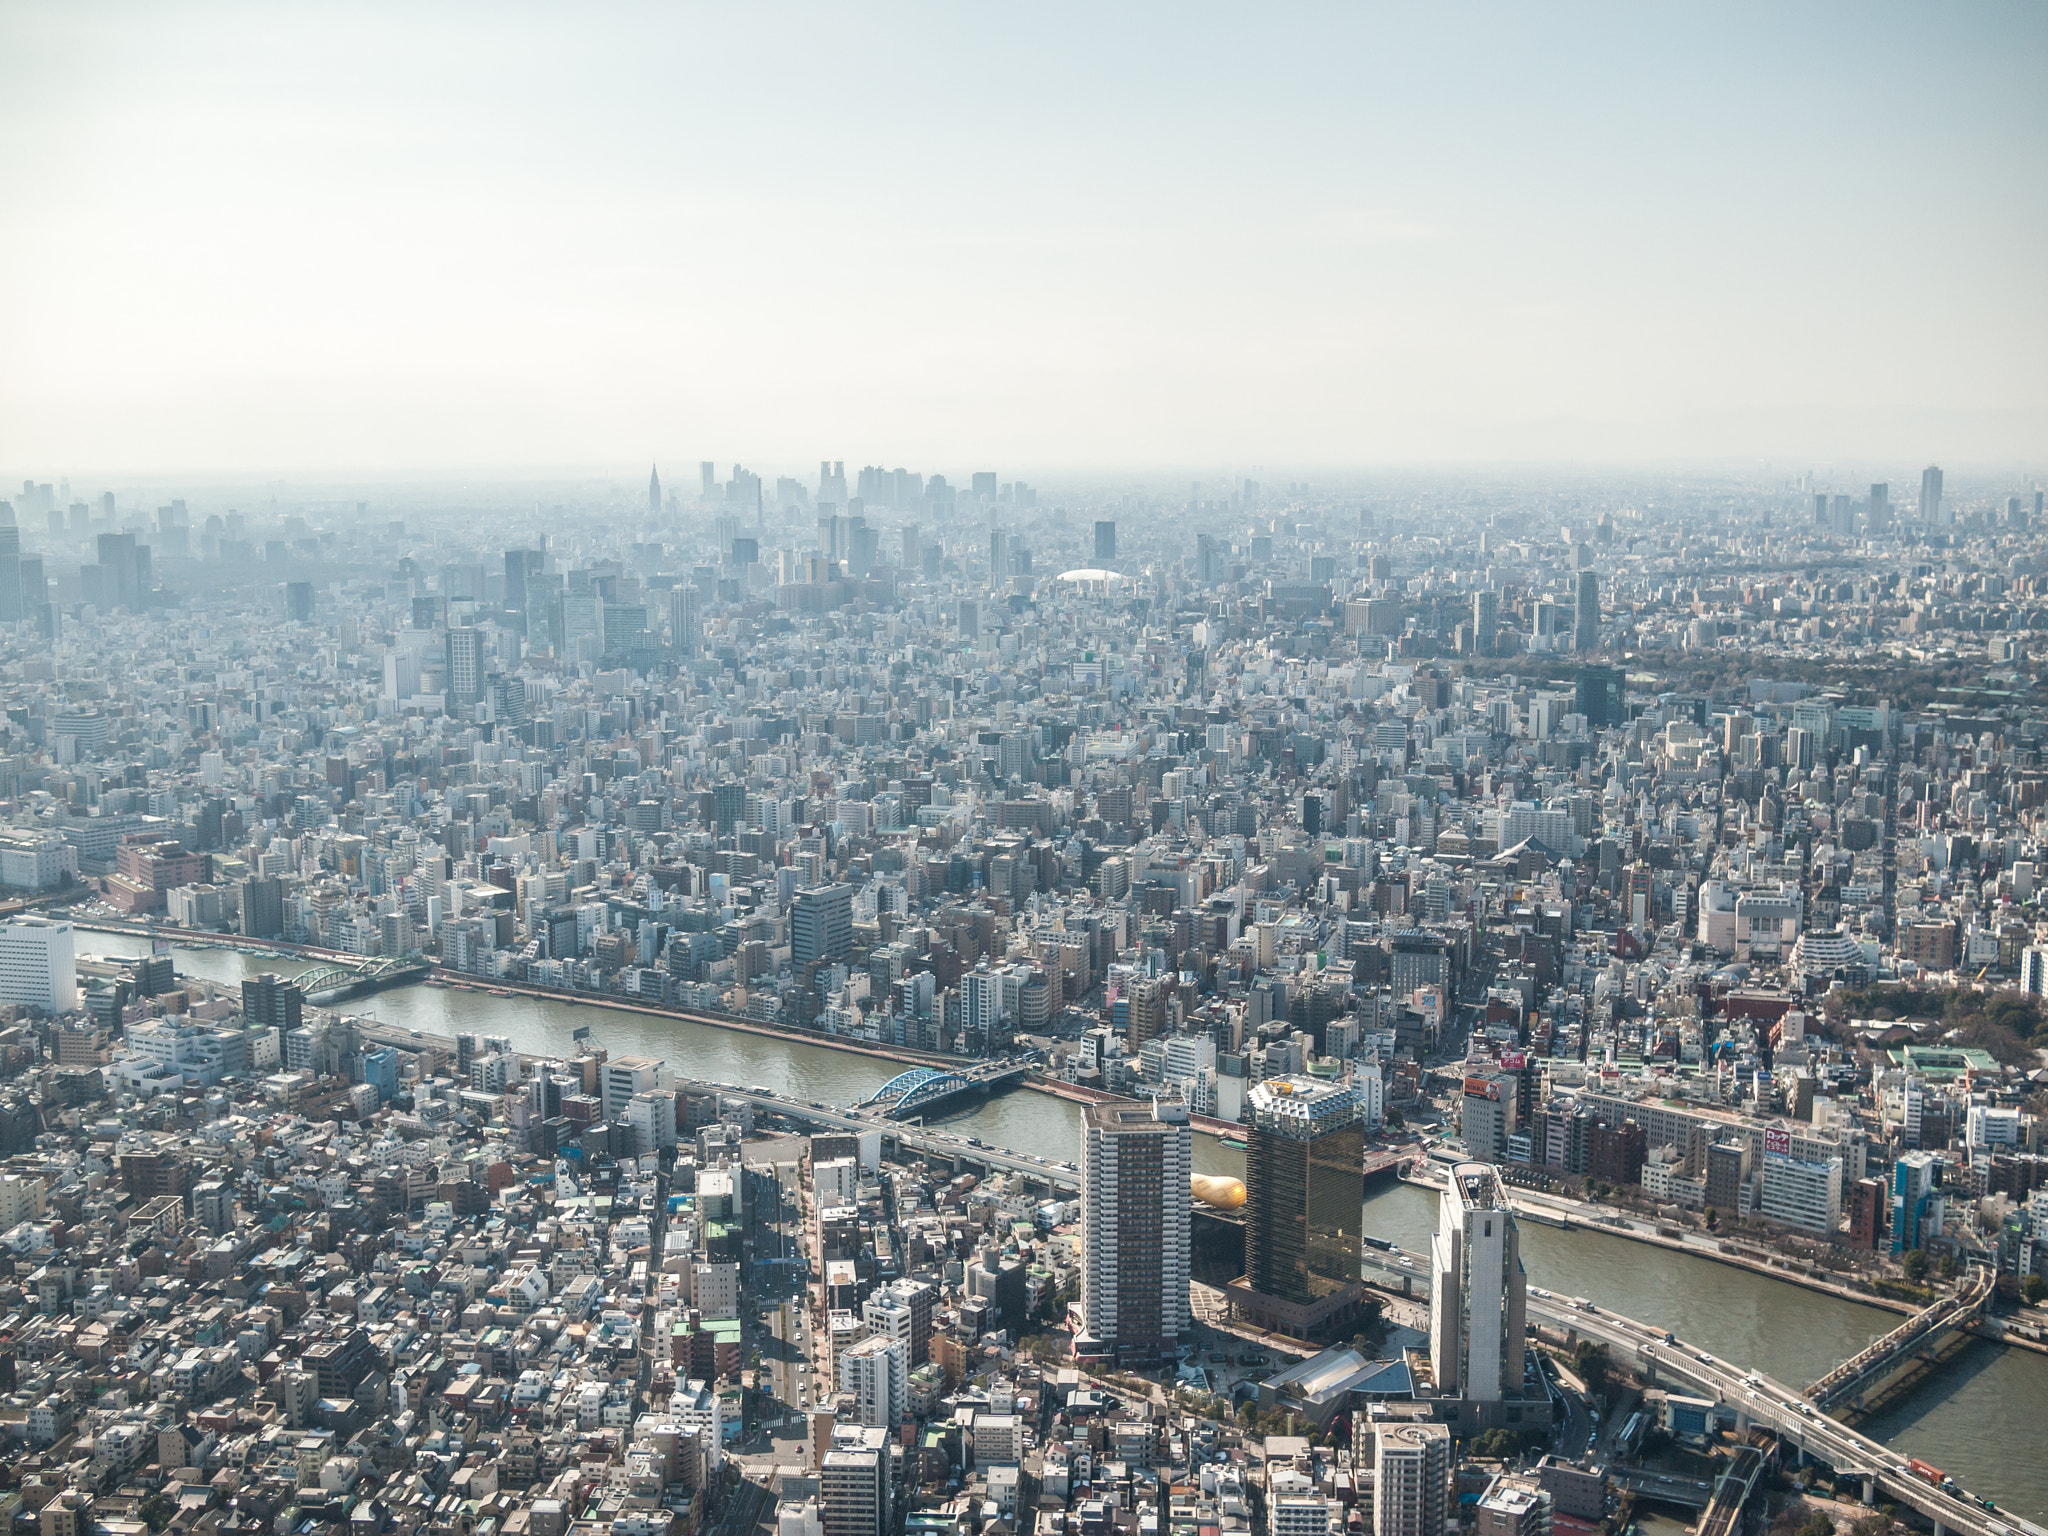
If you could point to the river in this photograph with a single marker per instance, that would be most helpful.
(1980, 1420)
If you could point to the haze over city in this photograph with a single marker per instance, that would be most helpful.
(918, 771)
(473, 238)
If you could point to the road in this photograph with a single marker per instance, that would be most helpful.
(1755, 1399)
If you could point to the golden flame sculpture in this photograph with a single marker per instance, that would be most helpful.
(1216, 1192)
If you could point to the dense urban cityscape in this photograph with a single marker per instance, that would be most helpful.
(894, 1003)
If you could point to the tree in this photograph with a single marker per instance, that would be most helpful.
(1589, 1364)
(1713, 1218)
(1395, 1121)
(1497, 1445)
(2034, 1288)
(1817, 1524)
(1915, 1265)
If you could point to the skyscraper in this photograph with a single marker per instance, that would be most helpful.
(1930, 495)
(1304, 1144)
(684, 633)
(1105, 542)
(1478, 1319)
(1587, 635)
(653, 489)
(821, 927)
(1880, 505)
(1485, 622)
(1135, 1166)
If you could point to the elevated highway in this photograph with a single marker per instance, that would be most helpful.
(1755, 1400)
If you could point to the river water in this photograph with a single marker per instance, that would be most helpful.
(1984, 1419)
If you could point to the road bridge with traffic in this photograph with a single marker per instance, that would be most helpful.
(1754, 1400)
(924, 1089)
(928, 1142)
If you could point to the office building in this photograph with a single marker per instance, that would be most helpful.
(1135, 1166)
(1880, 514)
(821, 924)
(1411, 1474)
(1930, 496)
(38, 964)
(1305, 1140)
(653, 489)
(1478, 1318)
(465, 647)
(1598, 697)
(1917, 1204)
(262, 915)
(1105, 543)
(626, 1077)
(1801, 1192)
(1489, 1115)
(273, 1002)
(1728, 1169)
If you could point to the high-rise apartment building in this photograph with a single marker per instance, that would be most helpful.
(821, 925)
(853, 1492)
(1302, 1228)
(1135, 1167)
(1411, 1467)
(1478, 1308)
(876, 1371)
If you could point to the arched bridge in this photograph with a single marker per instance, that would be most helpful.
(922, 1089)
(371, 973)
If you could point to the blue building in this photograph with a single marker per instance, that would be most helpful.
(1916, 1200)
(380, 1071)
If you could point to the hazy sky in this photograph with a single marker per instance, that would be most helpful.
(418, 238)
